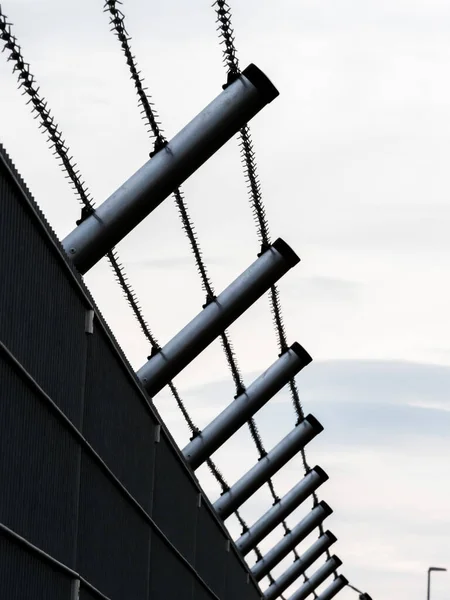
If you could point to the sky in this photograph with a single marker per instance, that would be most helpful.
(352, 158)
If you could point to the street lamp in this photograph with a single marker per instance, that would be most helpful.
(429, 573)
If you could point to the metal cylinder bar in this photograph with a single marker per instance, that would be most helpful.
(317, 578)
(217, 316)
(292, 539)
(299, 566)
(334, 588)
(246, 405)
(288, 447)
(169, 168)
(279, 511)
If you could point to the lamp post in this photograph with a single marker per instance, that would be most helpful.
(429, 574)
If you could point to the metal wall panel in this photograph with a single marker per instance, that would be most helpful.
(41, 317)
(38, 469)
(211, 554)
(24, 576)
(57, 495)
(86, 594)
(116, 422)
(169, 577)
(175, 501)
(238, 587)
(89, 593)
(113, 538)
(252, 593)
(200, 593)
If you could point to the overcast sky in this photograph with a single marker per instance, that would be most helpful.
(353, 158)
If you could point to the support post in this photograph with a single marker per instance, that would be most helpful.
(430, 569)
(279, 511)
(169, 168)
(217, 316)
(334, 588)
(299, 566)
(317, 578)
(267, 466)
(290, 540)
(246, 405)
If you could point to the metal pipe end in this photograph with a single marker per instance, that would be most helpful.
(331, 536)
(321, 473)
(301, 353)
(326, 507)
(337, 560)
(315, 424)
(343, 579)
(286, 252)
(268, 91)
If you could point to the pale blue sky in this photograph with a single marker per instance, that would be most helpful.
(353, 158)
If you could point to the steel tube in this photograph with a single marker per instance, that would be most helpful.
(169, 168)
(290, 540)
(246, 405)
(334, 588)
(279, 511)
(217, 316)
(303, 433)
(299, 566)
(317, 578)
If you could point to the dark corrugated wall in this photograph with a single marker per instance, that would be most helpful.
(95, 501)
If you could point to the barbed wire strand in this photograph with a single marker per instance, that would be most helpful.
(117, 22)
(230, 59)
(39, 105)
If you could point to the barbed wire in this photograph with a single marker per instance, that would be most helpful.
(39, 106)
(117, 22)
(248, 160)
(230, 59)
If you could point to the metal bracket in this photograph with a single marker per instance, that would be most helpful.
(231, 78)
(159, 145)
(86, 212)
(89, 321)
(75, 591)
